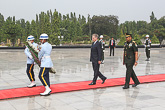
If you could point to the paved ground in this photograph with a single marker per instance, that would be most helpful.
(73, 65)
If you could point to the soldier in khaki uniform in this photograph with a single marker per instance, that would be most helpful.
(130, 58)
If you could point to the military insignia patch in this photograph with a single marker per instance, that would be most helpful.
(130, 44)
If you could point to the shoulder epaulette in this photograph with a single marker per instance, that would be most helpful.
(133, 41)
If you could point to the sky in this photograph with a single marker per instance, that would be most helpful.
(126, 10)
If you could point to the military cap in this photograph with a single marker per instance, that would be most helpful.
(128, 35)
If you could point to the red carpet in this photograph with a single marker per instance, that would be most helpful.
(75, 86)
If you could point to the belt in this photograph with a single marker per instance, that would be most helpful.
(45, 57)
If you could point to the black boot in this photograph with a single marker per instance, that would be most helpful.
(92, 83)
(126, 87)
(134, 85)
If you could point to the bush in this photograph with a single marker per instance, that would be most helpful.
(82, 38)
(53, 39)
(137, 39)
(155, 40)
(122, 41)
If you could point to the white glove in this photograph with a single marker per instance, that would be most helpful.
(103, 50)
(30, 57)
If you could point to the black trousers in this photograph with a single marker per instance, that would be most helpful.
(97, 73)
(102, 55)
(44, 76)
(148, 52)
(30, 72)
(111, 49)
(130, 74)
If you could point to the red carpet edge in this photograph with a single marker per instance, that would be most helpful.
(75, 86)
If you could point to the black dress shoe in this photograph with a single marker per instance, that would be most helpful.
(125, 87)
(134, 85)
(92, 83)
(103, 81)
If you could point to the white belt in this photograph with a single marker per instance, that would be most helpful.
(45, 57)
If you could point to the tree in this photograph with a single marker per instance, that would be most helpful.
(33, 28)
(53, 39)
(38, 33)
(105, 25)
(152, 17)
(42, 22)
(27, 28)
(1, 27)
(47, 26)
(122, 38)
(155, 40)
(77, 29)
(136, 38)
(22, 30)
(55, 28)
(11, 29)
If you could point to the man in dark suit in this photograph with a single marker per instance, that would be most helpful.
(112, 45)
(95, 58)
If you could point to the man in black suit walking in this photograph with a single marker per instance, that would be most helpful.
(95, 58)
(112, 46)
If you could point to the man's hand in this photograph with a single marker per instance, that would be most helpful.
(135, 64)
(99, 62)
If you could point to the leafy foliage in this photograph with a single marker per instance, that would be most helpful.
(137, 39)
(76, 29)
(155, 40)
(11, 28)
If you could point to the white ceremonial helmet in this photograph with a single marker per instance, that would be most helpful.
(101, 36)
(147, 36)
(43, 36)
(30, 38)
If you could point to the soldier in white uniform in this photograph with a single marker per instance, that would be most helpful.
(102, 48)
(147, 45)
(30, 62)
(46, 63)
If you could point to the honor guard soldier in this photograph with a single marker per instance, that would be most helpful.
(102, 48)
(130, 58)
(30, 62)
(147, 45)
(46, 63)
